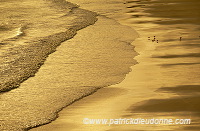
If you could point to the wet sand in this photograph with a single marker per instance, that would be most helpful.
(112, 102)
(136, 97)
(164, 83)
(77, 68)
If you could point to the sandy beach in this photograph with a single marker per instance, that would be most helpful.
(78, 67)
(158, 85)
(99, 59)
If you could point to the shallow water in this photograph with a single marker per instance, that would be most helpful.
(177, 59)
(164, 84)
(30, 31)
(77, 68)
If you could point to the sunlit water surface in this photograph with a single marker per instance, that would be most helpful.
(164, 84)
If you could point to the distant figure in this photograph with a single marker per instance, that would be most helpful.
(154, 38)
(180, 38)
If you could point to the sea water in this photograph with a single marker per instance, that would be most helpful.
(30, 31)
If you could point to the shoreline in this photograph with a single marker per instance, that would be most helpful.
(32, 56)
(101, 57)
(46, 93)
(81, 32)
(59, 110)
(139, 95)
